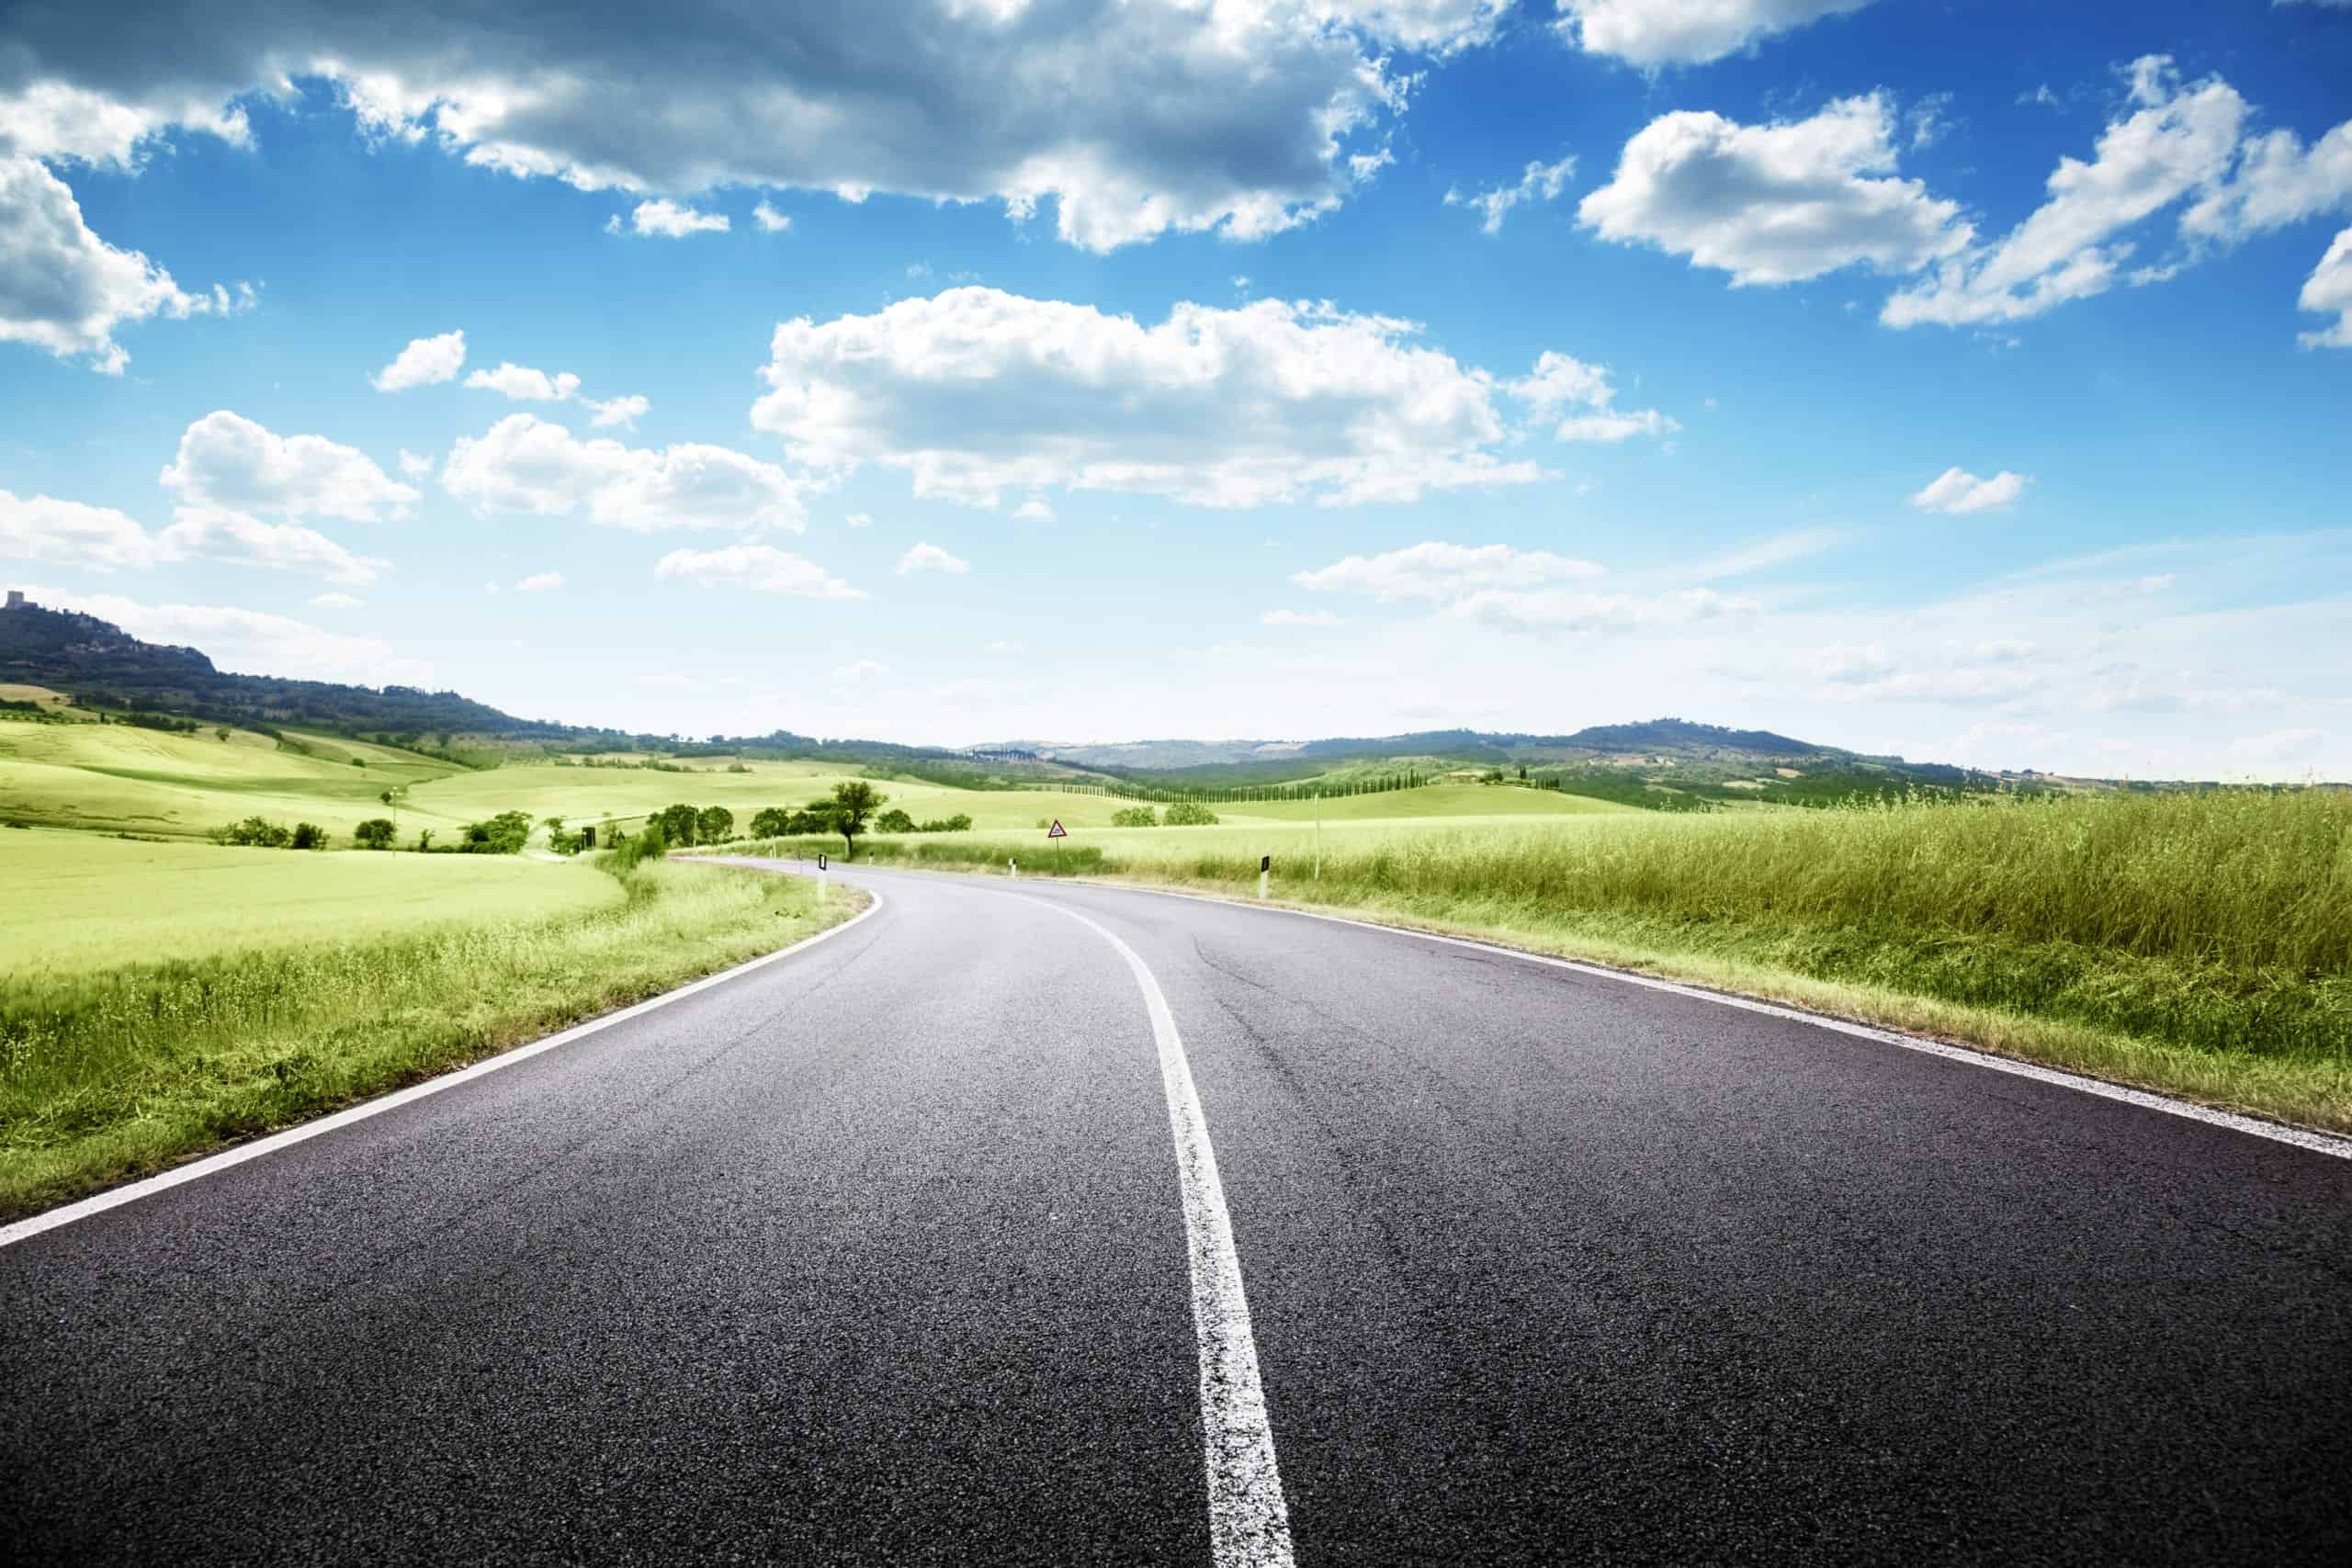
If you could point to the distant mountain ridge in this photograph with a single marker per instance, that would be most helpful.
(100, 663)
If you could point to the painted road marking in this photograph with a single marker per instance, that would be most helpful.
(2254, 1127)
(1248, 1521)
(198, 1169)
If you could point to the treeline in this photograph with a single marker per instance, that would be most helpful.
(1240, 795)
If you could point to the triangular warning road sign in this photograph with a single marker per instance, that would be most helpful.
(1058, 831)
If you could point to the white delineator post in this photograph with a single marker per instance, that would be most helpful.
(1012, 869)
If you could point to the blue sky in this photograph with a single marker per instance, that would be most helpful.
(1971, 381)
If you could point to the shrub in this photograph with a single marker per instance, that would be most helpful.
(1135, 816)
(959, 823)
(504, 834)
(376, 833)
(254, 832)
(772, 822)
(895, 821)
(1190, 814)
(309, 836)
(713, 825)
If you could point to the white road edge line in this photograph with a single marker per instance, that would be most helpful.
(196, 1170)
(1248, 1521)
(2253, 1126)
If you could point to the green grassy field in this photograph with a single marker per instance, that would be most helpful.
(119, 778)
(113, 1071)
(2197, 943)
(84, 901)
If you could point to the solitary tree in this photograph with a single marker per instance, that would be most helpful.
(854, 800)
(677, 824)
(376, 833)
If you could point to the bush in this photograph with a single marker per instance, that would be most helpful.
(1135, 816)
(376, 833)
(309, 836)
(713, 825)
(959, 823)
(254, 832)
(677, 824)
(1190, 814)
(504, 834)
(770, 822)
(894, 821)
(628, 854)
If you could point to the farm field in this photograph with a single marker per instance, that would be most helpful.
(82, 901)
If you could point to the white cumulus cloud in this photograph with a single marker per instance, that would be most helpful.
(1580, 398)
(621, 413)
(2329, 287)
(759, 568)
(64, 289)
(1775, 203)
(426, 362)
(335, 601)
(520, 383)
(213, 533)
(1652, 33)
(930, 558)
(667, 219)
(231, 462)
(1957, 492)
(1129, 119)
(540, 582)
(70, 533)
(525, 464)
(769, 220)
(975, 391)
(416, 465)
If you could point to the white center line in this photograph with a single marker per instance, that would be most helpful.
(1249, 1522)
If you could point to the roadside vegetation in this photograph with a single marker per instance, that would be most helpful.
(2199, 942)
(108, 1072)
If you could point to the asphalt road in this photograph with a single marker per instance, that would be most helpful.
(878, 1254)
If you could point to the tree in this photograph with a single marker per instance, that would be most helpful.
(894, 821)
(425, 841)
(960, 822)
(393, 798)
(854, 800)
(309, 836)
(223, 734)
(770, 822)
(677, 824)
(1135, 816)
(376, 833)
(504, 834)
(713, 825)
(1190, 814)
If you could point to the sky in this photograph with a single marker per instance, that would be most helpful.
(1967, 380)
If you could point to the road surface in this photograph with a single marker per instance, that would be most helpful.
(887, 1252)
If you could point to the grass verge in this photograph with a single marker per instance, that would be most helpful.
(112, 1073)
(2197, 945)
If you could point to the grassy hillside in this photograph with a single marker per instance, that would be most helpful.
(119, 778)
(81, 901)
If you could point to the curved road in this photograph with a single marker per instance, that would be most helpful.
(887, 1252)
